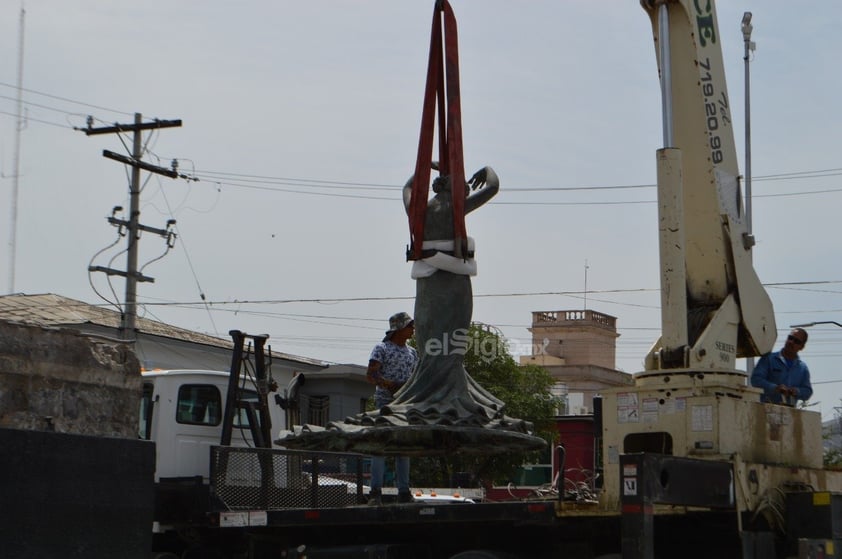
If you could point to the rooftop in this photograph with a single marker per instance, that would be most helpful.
(51, 310)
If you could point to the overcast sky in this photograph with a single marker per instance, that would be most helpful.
(301, 122)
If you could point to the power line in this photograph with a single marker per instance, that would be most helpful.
(30, 119)
(237, 179)
(296, 181)
(266, 186)
(332, 300)
(187, 256)
(328, 188)
(31, 104)
(409, 297)
(265, 182)
(67, 100)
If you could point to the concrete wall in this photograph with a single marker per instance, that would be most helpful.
(59, 380)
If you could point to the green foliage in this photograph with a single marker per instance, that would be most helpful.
(833, 458)
(526, 393)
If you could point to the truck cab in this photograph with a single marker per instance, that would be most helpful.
(182, 412)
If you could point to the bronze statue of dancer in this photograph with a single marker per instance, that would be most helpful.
(441, 392)
(441, 408)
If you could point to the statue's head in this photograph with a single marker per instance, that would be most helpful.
(441, 185)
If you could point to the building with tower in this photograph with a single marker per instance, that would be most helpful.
(578, 348)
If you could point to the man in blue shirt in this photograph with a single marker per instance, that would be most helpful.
(782, 375)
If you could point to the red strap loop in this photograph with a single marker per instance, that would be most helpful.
(442, 89)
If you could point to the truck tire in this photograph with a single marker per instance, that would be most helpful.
(483, 554)
(202, 552)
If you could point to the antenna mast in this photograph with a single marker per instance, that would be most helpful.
(586, 285)
(16, 177)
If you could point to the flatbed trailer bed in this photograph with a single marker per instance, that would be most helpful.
(529, 529)
(538, 530)
(328, 518)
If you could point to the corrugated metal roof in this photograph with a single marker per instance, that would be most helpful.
(49, 309)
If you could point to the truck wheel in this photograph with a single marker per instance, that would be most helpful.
(202, 552)
(483, 554)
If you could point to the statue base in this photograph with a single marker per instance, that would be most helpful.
(411, 440)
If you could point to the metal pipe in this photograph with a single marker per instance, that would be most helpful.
(666, 72)
(747, 28)
(749, 46)
(807, 325)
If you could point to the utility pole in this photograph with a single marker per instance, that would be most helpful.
(133, 225)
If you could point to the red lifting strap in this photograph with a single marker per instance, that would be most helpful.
(441, 70)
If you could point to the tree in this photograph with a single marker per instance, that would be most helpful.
(526, 394)
(831, 436)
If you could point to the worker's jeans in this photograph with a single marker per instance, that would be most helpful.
(378, 468)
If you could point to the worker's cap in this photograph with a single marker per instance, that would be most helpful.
(398, 321)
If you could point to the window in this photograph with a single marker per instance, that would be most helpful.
(318, 410)
(658, 442)
(144, 427)
(199, 404)
(248, 398)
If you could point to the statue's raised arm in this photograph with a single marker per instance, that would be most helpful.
(480, 188)
(483, 186)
